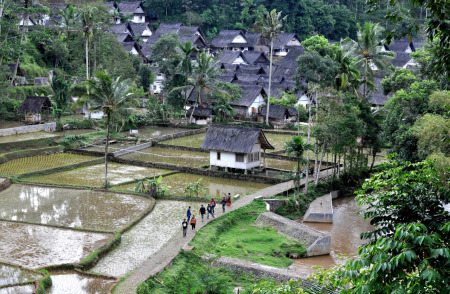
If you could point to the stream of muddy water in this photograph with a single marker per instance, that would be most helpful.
(345, 236)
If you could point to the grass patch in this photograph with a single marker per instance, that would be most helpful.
(90, 261)
(190, 274)
(236, 235)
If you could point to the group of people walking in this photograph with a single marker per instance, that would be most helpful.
(208, 211)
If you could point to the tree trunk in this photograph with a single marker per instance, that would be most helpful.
(339, 166)
(307, 151)
(108, 118)
(320, 166)
(374, 154)
(25, 20)
(270, 81)
(87, 58)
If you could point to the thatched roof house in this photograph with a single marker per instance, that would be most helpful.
(133, 8)
(235, 147)
(34, 106)
(280, 113)
(230, 40)
(201, 115)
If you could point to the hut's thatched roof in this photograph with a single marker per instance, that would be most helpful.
(124, 38)
(279, 111)
(282, 40)
(137, 29)
(399, 45)
(35, 104)
(234, 139)
(255, 57)
(249, 93)
(254, 39)
(401, 59)
(289, 60)
(225, 39)
(200, 112)
(130, 7)
(120, 28)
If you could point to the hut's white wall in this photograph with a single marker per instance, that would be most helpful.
(259, 101)
(228, 159)
(239, 39)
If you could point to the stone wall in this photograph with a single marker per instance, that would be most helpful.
(320, 210)
(47, 127)
(274, 204)
(259, 270)
(5, 183)
(132, 149)
(316, 242)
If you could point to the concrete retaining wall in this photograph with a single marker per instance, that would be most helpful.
(274, 204)
(316, 242)
(5, 183)
(47, 127)
(179, 135)
(132, 149)
(320, 210)
(259, 270)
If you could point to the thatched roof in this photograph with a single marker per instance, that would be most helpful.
(255, 57)
(418, 43)
(399, 45)
(234, 139)
(228, 57)
(377, 97)
(35, 104)
(247, 77)
(12, 67)
(249, 94)
(124, 38)
(137, 29)
(250, 69)
(282, 40)
(130, 7)
(401, 59)
(120, 28)
(279, 111)
(254, 39)
(227, 78)
(167, 28)
(225, 39)
(200, 112)
(110, 5)
(289, 61)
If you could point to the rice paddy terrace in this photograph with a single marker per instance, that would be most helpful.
(55, 216)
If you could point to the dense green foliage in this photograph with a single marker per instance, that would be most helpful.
(334, 20)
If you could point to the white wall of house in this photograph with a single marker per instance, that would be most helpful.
(294, 42)
(239, 60)
(303, 100)
(239, 39)
(228, 159)
(138, 19)
(134, 51)
(26, 23)
(259, 101)
(280, 52)
(157, 85)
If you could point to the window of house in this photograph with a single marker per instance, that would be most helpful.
(218, 155)
(239, 157)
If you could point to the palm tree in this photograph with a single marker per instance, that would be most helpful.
(87, 17)
(269, 27)
(186, 62)
(109, 95)
(295, 148)
(348, 73)
(368, 54)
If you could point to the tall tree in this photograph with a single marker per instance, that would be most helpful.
(295, 148)
(109, 95)
(186, 62)
(269, 27)
(87, 17)
(61, 96)
(368, 54)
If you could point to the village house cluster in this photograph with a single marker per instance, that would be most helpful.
(243, 57)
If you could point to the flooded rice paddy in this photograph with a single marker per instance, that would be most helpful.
(27, 289)
(35, 246)
(41, 162)
(70, 208)
(77, 132)
(215, 187)
(146, 238)
(73, 283)
(154, 132)
(345, 236)
(10, 275)
(93, 176)
(27, 136)
(170, 156)
(188, 141)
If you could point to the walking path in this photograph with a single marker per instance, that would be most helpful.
(161, 259)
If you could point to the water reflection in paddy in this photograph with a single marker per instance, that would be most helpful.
(41, 162)
(35, 246)
(154, 132)
(27, 289)
(345, 236)
(146, 238)
(73, 283)
(94, 175)
(10, 275)
(27, 136)
(70, 208)
(6, 124)
(215, 187)
(170, 156)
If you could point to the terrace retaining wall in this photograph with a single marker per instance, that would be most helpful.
(61, 168)
(320, 210)
(274, 204)
(179, 135)
(5, 183)
(259, 270)
(29, 144)
(316, 242)
(28, 153)
(47, 127)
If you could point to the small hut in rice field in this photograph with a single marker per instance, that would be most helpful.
(36, 109)
(235, 148)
